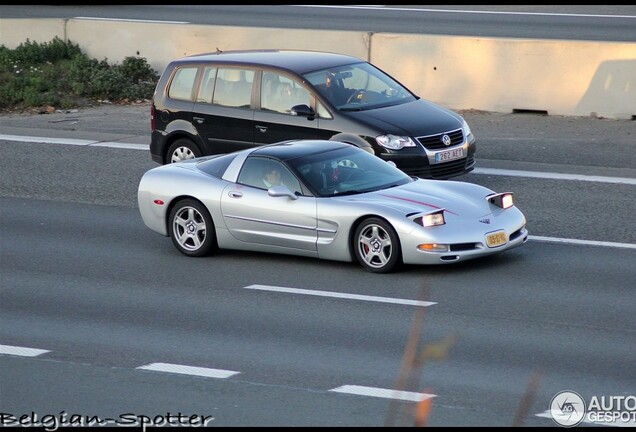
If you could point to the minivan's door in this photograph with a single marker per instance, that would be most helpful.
(222, 112)
(274, 122)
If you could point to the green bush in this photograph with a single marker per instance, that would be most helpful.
(57, 73)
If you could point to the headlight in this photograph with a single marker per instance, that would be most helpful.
(466, 128)
(393, 142)
(431, 219)
(503, 200)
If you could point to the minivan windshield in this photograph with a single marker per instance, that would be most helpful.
(358, 86)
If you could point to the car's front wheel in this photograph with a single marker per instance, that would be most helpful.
(377, 246)
(191, 228)
(182, 149)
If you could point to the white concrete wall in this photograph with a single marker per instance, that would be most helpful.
(571, 78)
(495, 74)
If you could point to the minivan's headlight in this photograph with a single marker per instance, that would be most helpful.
(467, 131)
(393, 142)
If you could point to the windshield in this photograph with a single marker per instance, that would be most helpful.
(349, 170)
(358, 86)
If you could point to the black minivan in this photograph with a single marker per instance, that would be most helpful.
(225, 101)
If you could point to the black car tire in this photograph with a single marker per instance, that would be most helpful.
(376, 246)
(182, 149)
(191, 228)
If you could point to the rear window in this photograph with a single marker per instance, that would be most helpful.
(216, 165)
(182, 83)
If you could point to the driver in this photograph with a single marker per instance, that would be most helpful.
(272, 177)
(334, 90)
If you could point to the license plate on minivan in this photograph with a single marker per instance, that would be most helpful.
(449, 155)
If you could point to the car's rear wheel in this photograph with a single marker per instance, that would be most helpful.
(376, 246)
(182, 149)
(191, 228)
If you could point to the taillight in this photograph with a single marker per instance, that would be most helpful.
(152, 117)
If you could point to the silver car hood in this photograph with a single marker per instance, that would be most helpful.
(461, 199)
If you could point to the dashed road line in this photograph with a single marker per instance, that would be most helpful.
(21, 351)
(341, 295)
(382, 393)
(189, 370)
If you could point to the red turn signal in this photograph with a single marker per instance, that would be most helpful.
(158, 202)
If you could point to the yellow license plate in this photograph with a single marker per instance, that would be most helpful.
(496, 239)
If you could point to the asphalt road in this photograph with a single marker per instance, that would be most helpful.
(82, 278)
(574, 22)
(592, 148)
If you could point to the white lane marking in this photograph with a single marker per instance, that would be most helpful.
(21, 351)
(557, 176)
(46, 140)
(583, 242)
(132, 20)
(617, 423)
(382, 393)
(188, 370)
(129, 146)
(489, 171)
(341, 295)
(388, 8)
(71, 141)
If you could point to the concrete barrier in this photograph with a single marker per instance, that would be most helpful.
(558, 77)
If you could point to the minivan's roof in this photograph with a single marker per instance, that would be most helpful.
(296, 60)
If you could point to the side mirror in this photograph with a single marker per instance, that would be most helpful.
(303, 110)
(281, 191)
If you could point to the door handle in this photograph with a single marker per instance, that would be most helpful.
(235, 194)
(198, 119)
(261, 128)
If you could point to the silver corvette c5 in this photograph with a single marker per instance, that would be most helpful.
(327, 200)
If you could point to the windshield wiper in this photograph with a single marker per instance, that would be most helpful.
(348, 192)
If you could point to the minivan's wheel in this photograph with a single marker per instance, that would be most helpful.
(191, 228)
(376, 246)
(182, 149)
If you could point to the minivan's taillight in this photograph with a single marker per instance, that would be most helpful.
(152, 117)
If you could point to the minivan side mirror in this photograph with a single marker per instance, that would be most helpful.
(303, 110)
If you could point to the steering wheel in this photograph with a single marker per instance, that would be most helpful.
(356, 96)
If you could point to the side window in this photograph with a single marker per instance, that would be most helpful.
(322, 111)
(264, 173)
(182, 83)
(207, 85)
(280, 93)
(233, 87)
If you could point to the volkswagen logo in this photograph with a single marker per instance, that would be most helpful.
(446, 140)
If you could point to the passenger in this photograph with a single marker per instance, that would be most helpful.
(284, 98)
